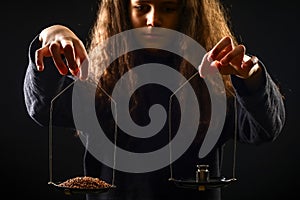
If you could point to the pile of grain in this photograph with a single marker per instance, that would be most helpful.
(85, 182)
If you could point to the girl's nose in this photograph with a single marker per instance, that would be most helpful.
(153, 18)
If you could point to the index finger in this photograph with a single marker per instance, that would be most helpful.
(39, 57)
(224, 43)
(68, 49)
(82, 60)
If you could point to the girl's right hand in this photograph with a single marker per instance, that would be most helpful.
(58, 41)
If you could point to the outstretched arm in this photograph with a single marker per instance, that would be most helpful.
(53, 51)
(260, 105)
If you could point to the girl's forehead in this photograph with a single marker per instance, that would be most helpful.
(156, 1)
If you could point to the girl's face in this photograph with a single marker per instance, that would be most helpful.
(155, 13)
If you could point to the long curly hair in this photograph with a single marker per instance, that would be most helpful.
(206, 21)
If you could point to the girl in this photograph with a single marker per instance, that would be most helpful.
(253, 99)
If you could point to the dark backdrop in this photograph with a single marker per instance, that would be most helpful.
(269, 30)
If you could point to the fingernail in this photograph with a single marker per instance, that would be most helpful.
(210, 58)
(213, 64)
(254, 60)
(39, 68)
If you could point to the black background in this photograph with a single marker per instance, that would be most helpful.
(268, 29)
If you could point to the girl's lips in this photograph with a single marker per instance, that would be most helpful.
(152, 36)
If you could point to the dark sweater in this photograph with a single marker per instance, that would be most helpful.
(260, 119)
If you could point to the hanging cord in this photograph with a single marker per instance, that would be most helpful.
(235, 136)
(115, 137)
(51, 130)
(51, 133)
(235, 130)
(170, 123)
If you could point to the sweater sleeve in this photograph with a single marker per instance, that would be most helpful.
(41, 87)
(260, 115)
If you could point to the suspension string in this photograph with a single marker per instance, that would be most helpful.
(51, 133)
(235, 130)
(115, 137)
(235, 134)
(235, 139)
(115, 146)
(51, 130)
(170, 123)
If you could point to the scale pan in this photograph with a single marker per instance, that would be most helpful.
(69, 190)
(212, 183)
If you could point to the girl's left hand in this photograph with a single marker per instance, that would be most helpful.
(230, 59)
